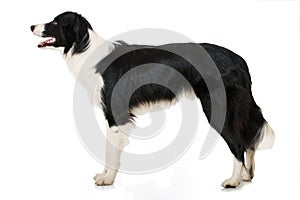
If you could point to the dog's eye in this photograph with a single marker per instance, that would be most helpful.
(54, 23)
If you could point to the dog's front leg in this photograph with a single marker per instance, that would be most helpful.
(116, 140)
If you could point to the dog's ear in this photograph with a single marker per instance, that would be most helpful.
(67, 20)
(80, 29)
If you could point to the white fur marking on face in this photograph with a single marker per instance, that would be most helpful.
(39, 29)
(236, 177)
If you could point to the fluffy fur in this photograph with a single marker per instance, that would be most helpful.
(245, 128)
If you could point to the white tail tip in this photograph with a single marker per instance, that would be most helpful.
(267, 137)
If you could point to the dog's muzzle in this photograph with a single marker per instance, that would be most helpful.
(38, 29)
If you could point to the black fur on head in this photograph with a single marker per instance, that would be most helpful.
(69, 30)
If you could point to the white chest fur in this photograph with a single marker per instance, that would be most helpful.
(82, 65)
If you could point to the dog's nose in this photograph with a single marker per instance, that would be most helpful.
(32, 27)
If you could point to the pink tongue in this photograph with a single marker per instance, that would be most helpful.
(51, 40)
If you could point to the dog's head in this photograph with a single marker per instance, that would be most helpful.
(67, 30)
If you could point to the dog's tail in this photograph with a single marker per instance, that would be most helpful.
(267, 137)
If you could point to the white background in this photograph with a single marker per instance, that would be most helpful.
(41, 154)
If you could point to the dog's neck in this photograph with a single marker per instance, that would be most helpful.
(77, 62)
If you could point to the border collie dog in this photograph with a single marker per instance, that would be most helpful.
(245, 130)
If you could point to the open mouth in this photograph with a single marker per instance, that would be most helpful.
(48, 42)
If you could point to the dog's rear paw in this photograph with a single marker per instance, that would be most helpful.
(231, 183)
(248, 175)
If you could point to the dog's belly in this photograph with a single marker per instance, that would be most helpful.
(146, 107)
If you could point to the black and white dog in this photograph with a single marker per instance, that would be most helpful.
(244, 130)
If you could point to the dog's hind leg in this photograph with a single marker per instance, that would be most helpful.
(235, 131)
(236, 177)
(117, 139)
(248, 170)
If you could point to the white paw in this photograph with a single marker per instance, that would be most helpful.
(105, 178)
(246, 175)
(97, 176)
(231, 182)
